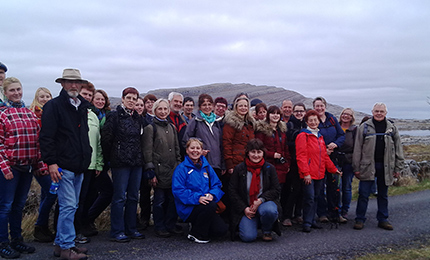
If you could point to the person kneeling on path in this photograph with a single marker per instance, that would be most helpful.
(197, 189)
(254, 193)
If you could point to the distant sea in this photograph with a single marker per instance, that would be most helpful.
(415, 132)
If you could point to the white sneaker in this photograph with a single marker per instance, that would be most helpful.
(195, 239)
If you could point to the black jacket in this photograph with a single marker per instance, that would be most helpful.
(294, 126)
(239, 194)
(64, 135)
(121, 139)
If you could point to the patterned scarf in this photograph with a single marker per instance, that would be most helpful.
(255, 169)
(8, 103)
(209, 118)
(128, 111)
(100, 113)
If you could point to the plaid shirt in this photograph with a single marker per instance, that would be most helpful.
(19, 140)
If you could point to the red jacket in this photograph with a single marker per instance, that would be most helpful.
(312, 157)
(275, 141)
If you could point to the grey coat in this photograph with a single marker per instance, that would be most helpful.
(210, 135)
(364, 152)
(161, 152)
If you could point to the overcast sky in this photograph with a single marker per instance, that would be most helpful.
(354, 53)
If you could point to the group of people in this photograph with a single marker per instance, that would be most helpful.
(221, 170)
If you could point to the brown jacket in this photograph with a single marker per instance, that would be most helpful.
(236, 134)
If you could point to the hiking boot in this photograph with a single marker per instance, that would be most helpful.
(323, 219)
(57, 250)
(72, 254)
(267, 237)
(342, 220)
(162, 233)
(287, 223)
(136, 235)
(385, 225)
(7, 252)
(142, 224)
(316, 226)
(18, 245)
(43, 234)
(121, 238)
(297, 220)
(358, 225)
(90, 230)
(306, 229)
(81, 239)
(176, 231)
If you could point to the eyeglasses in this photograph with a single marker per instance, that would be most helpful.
(299, 111)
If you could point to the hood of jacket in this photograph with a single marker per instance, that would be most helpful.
(305, 130)
(235, 121)
(264, 127)
(188, 163)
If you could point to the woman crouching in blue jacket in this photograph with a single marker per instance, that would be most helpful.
(197, 189)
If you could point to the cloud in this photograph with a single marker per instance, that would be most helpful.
(351, 52)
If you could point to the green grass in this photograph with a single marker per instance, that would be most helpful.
(417, 152)
(422, 252)
(396, 190)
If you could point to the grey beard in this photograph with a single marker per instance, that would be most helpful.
(73, 94)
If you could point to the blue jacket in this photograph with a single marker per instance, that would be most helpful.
(331, 130)
(189, 183)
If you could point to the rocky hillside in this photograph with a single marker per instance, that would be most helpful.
(270, 95)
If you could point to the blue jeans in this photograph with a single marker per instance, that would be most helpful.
(364, 191)
(347, 176)
(164, 210)
(68, 199)
(126, 183)
(13, 194)
(47, 200)
(311, 195)
(267, 214)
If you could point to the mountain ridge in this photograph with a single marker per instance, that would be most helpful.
(270, 95)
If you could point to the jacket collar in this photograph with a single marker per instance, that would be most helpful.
(305, 130)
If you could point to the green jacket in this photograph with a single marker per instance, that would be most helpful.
(161, 152)
(364, 150)
(94, 135)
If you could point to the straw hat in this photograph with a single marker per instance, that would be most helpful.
(71, 74)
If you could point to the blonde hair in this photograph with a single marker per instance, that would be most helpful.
(249, 114)
(193, 139)
(36, 98)
(157, 104)
(8, 81)
(352, 115)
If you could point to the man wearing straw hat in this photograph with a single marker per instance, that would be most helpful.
(64, 144)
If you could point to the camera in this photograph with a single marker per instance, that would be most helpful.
(282, 160)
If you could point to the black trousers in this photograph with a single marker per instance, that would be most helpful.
(206, 223)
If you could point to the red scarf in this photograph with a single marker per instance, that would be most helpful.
(255, 169)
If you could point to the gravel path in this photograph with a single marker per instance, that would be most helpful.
(409, 215)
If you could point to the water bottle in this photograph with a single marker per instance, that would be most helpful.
(55, 185)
